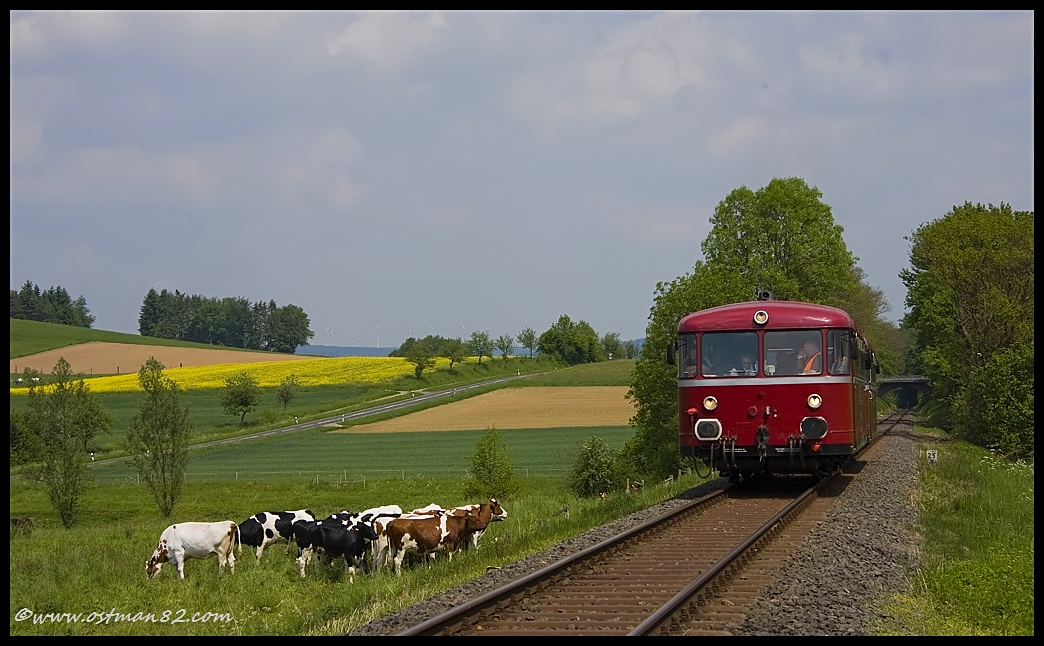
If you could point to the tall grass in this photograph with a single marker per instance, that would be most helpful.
(976, 577)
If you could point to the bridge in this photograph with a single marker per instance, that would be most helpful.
(909, 386)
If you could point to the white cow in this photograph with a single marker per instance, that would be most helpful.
(195, 541)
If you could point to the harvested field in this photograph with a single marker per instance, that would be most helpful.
(100, 358)
(533, 407)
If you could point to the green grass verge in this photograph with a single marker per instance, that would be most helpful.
(976, 520)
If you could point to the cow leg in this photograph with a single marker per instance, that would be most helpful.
(260, 548)
(231, 562)
(180, 560)
(302, 560)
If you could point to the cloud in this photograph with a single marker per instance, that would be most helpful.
(43, 34)
(387, 38)
(641, 65)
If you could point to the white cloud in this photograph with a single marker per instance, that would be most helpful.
(386, 38)
(46, 33)
(739, 137)
(847, 64)
(641, 65)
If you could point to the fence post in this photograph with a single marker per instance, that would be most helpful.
(237, 476)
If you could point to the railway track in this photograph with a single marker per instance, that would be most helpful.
(693, 571)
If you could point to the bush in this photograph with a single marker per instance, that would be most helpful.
(995, 410)
(491, 475)
(594, 469)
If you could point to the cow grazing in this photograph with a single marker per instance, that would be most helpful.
(487, 512)
(335, 538)
(268, 527)
(423, 535)
(195, 541)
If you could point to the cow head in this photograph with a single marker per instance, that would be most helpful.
(496, 511)
(159, 557)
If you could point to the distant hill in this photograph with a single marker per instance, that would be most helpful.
(355, 351)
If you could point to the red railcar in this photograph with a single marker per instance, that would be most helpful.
(774, 386)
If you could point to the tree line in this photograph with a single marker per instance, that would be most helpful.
(52, 306)
(231, 321)
(565, 341)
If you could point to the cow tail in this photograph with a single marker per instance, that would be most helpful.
(238, 541)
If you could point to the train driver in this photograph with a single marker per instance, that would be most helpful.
(691, 363)
(810, 358)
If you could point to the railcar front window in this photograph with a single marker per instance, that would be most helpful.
(729, 354)
(793, 352)
(689, 364)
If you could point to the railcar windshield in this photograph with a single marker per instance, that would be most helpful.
(793, 352)
(729, 354)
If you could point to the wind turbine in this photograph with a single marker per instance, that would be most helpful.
(331, 336)
(433, 331)
(378, 336)
(408, 332)
(327, 337)
(359, 341)
(461, 331)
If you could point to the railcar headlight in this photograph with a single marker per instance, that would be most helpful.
(710, 403)
(760, 317)
(814, 401)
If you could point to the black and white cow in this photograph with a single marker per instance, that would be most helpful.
(268, 527)
(334, 538)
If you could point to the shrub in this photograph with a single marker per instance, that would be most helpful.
(491, 475)
(594, 469)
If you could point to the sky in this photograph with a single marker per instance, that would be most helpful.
(402, 174)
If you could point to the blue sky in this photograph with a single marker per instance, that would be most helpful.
(447, 172)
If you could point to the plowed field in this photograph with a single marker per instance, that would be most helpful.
(109, 358)
(532, 407)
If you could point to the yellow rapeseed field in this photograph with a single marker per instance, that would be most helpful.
(364, 371)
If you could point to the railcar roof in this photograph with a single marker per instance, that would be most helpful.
(782, 315)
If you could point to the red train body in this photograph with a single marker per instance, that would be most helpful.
(774, 386)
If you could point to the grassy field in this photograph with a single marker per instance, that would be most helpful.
(98, 566)
(30, 337)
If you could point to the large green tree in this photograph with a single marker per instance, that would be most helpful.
(455, 350)
(572, 343)
(527, 338)
(241, 395)
(58, 424)
(970, 293)
(781, 238)
(158, 436)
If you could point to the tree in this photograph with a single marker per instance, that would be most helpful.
(594, 470)
(241, 395)
(454, 350)
(969, 292)
(781, 238)
(491, 475)
(481, 345)
(158, 436)
(527, 338)
(611, 346)
(573, 343)
(59, 422)
(506, 344)
(287, 390)
(422, 355)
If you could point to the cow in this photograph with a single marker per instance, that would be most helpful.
(487, 512)
(335, 538)
(423, 535)
(195, 541)
(268, 527)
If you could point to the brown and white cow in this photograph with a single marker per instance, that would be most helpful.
(424, 535)
(487, 512)
(195, 541)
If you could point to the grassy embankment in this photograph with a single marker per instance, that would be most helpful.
(976, 566)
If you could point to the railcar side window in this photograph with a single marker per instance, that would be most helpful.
(688, 365)
(839, 352)
(729, 354)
